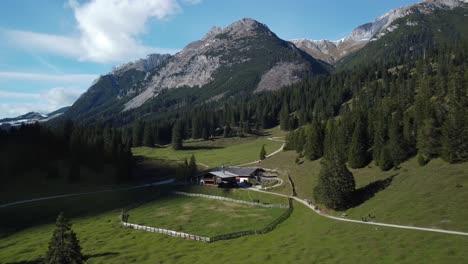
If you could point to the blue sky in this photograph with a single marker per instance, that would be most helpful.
(51, 51)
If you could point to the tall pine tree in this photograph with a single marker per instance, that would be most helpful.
(455, 128)
(177, 134)
(336, 183)
(358, 157)
(64, 246)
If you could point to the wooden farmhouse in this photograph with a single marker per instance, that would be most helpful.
(228, 176)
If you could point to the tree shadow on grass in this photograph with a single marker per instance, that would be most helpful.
(201, 147)
(99, 255)
(260, 133)
(365, 193)
(36, 261)
(87, 257)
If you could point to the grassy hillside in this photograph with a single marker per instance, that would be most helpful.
(429, 196)
(304, 238)
(221, 151)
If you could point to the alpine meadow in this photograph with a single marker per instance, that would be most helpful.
(251, 144)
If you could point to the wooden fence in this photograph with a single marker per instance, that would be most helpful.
(222, 198)
(264, 230)
(168, 232)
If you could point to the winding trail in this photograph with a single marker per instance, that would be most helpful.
(316, 210)
(302, 201)
(169, 181)
(278, 139)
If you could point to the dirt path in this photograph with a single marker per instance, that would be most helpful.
(87, 193)
(278, 139)
(316, 210)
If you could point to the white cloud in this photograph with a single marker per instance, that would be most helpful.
(60, 97)
(108, 30)
(83, 79)
(67, 46)
(14, 95)
(44, 102)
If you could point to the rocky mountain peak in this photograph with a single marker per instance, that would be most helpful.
(332, 51)
(145, 65)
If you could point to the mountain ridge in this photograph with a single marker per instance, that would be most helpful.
(245, 56)
(32, 117)
(333, 51)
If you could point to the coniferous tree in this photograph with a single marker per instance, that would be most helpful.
(455, 128)
(192, 165)
(313, 148)
(177, 135)
(396, 144)
(137, 133)
(195, 128)
(409, 129)
(263, 153)
(148, 135)
(358, 157)
(427, 140)
(385, 159)
(336, 183)
(64, 246)
(284, 117)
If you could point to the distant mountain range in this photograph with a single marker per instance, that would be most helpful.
(334, 51)
(247, 57)
(32, 117)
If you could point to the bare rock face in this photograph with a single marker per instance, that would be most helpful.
(196, 64)
(282, 74)
(333, 51)
(151, 62)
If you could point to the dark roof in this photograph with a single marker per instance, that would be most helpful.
(234, 171)
(242, 171)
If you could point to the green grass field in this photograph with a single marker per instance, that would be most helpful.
(201, 216)
(303, 238)
(304, 175)
(221, 151)
(431, 196)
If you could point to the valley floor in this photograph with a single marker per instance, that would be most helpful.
(432, 196)
(304, 238)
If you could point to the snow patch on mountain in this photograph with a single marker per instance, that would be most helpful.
(332, 51)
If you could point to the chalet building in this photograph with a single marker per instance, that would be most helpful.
(228, 176)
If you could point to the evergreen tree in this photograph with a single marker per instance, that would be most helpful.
(427, 143)
(195, 128)
(455, 128)
(64, 246)
(262, 153)
(284, 117)
(409, 129)
(137, 133)
(192, 166)
(358, 157)
(380, 135)
(148, 135)
(336, 183)
(313, 148)
(177, 136)
(396, 144)
(205, 133)
(385, 159)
